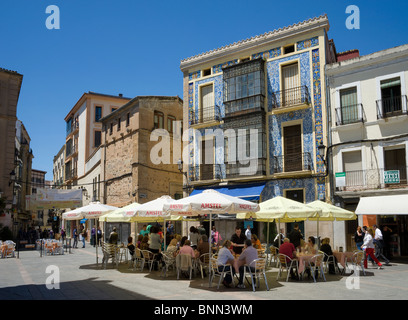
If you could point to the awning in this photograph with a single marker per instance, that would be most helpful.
(246, 192)
(383, 205)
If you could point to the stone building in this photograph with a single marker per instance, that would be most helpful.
(10, 86)
(131, 169)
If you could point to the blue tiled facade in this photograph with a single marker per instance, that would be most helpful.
(310, 117)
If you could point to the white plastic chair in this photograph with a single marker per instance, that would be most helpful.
(316, 263)
(358, 260)
(217, 272)
(169, 262)
(149, 258)
(203, 262)
(259, 266)
(329, 259)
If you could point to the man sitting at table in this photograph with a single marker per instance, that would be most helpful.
(237, 241)
(288, 249)
(248, 255)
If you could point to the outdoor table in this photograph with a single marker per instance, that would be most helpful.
(3, 250)
(303, 258)
(341, 257)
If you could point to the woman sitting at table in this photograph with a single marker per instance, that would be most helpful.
(326, 248)
(225, 257)
(310, 246)
(172, 248)
(187, 249)
(255, 242)
(144, 245)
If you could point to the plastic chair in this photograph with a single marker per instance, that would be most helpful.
(316, 263)
(110, 251)
(216, 272)
(149, 258)
(358, 260)
(273, 253)
(184, 262)
(259, 266)
(287, 263)
(138, 259)
(329, 259)
(203, 262)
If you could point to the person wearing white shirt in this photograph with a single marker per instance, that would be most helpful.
(368, 246)
(248, 232)
(224, 261)
(378, 241)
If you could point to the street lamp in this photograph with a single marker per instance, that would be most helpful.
(321, 150)
(180, 167)
(12, 177)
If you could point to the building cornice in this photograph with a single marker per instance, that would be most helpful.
(260, 40)
(369, 61)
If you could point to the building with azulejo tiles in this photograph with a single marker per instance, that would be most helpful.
(256, 110)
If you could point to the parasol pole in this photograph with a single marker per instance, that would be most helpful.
(209, 251)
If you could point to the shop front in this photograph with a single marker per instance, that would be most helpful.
(390, 214)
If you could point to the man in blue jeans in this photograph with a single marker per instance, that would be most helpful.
(379, 244)
(248, 255)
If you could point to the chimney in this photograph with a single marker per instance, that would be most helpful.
(121, 95)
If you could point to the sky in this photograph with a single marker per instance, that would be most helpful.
(135, 47)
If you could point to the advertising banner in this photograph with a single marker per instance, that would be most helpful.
(54, 199)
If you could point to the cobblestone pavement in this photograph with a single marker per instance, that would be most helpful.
(30, 277)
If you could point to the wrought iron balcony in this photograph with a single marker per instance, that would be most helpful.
(291, 97)
(391, 107)
(349, 114)
(204, 172)
(203, 115)
(293, 162)
(372, 179)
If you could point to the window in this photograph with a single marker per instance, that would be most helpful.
(207, 72)
(97, 139)
(291, 85)
(98, 113)
(292, 138)
(170, 124)
(127, 120)
(353, 167)
(394, 159)
(206, 103)
(158, 120)
(244, 86)
(69, 126)
(289, 49)
(349, 105)
(391, 96)
(111, 128)
(113, 109)
(119, 124)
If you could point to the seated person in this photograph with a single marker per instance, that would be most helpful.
(288, 249)
(172, 248)
(248, 255)
(237, 241)
(144, 245)
(326, 248)
(255, 242)
(131, 247)
(225, 257)
(139, 241)
(187, 249)
(203, 246)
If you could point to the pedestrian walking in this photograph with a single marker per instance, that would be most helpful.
(379, 244)
(83, 234)
(359, 237)
(99, 236)
(368, 246)
(93, 236)
(75, 233)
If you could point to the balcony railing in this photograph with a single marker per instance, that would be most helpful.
(71, 150)
(203, 115)
(349, 114)
(73, 127)
(204, 172)
(391, 107)
(71, 174)
(372, 179)
(290, 97)
(293, 162)
(239, 170)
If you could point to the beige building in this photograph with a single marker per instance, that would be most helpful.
(83, 141)
(59, 168)
(10, 85)
(369, 139)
